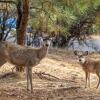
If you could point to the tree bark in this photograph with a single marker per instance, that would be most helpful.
(23, 12)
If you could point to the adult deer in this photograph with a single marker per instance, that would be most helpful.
(24, 56)
(89, 66)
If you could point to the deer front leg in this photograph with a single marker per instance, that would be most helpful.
(99, 79)
(27, 75)
(30, 78)
(89, 79)
(86, 78)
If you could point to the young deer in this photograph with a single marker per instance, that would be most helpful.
(88, 66)
(24, 56)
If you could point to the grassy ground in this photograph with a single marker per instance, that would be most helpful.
(57, 77)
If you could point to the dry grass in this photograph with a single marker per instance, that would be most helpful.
(97, 37)
(57, 77)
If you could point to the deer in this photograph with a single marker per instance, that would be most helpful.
(24, 56)
(88, 66)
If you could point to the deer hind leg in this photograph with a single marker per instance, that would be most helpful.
(13, 69)
(99, 79)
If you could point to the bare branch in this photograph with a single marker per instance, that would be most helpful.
(8, 1)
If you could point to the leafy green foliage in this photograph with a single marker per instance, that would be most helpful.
(59, 15)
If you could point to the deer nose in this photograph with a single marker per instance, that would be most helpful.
(79, 59)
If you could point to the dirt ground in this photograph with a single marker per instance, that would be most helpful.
(57, 77)
(97, 37)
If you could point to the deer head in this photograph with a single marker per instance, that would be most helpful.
(81, 56)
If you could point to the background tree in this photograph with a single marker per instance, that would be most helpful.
(23, 12)
(22, 19)
(49, 16)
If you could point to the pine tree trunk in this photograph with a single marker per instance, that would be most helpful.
(23, 12)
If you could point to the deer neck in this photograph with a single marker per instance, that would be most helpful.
(85, 63)
(42, 52)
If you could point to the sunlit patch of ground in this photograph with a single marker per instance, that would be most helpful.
(57, 77)
(97, 37)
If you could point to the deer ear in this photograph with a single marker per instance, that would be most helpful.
(86, 53)
(75, 52)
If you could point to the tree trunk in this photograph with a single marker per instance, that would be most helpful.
(23, 12)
